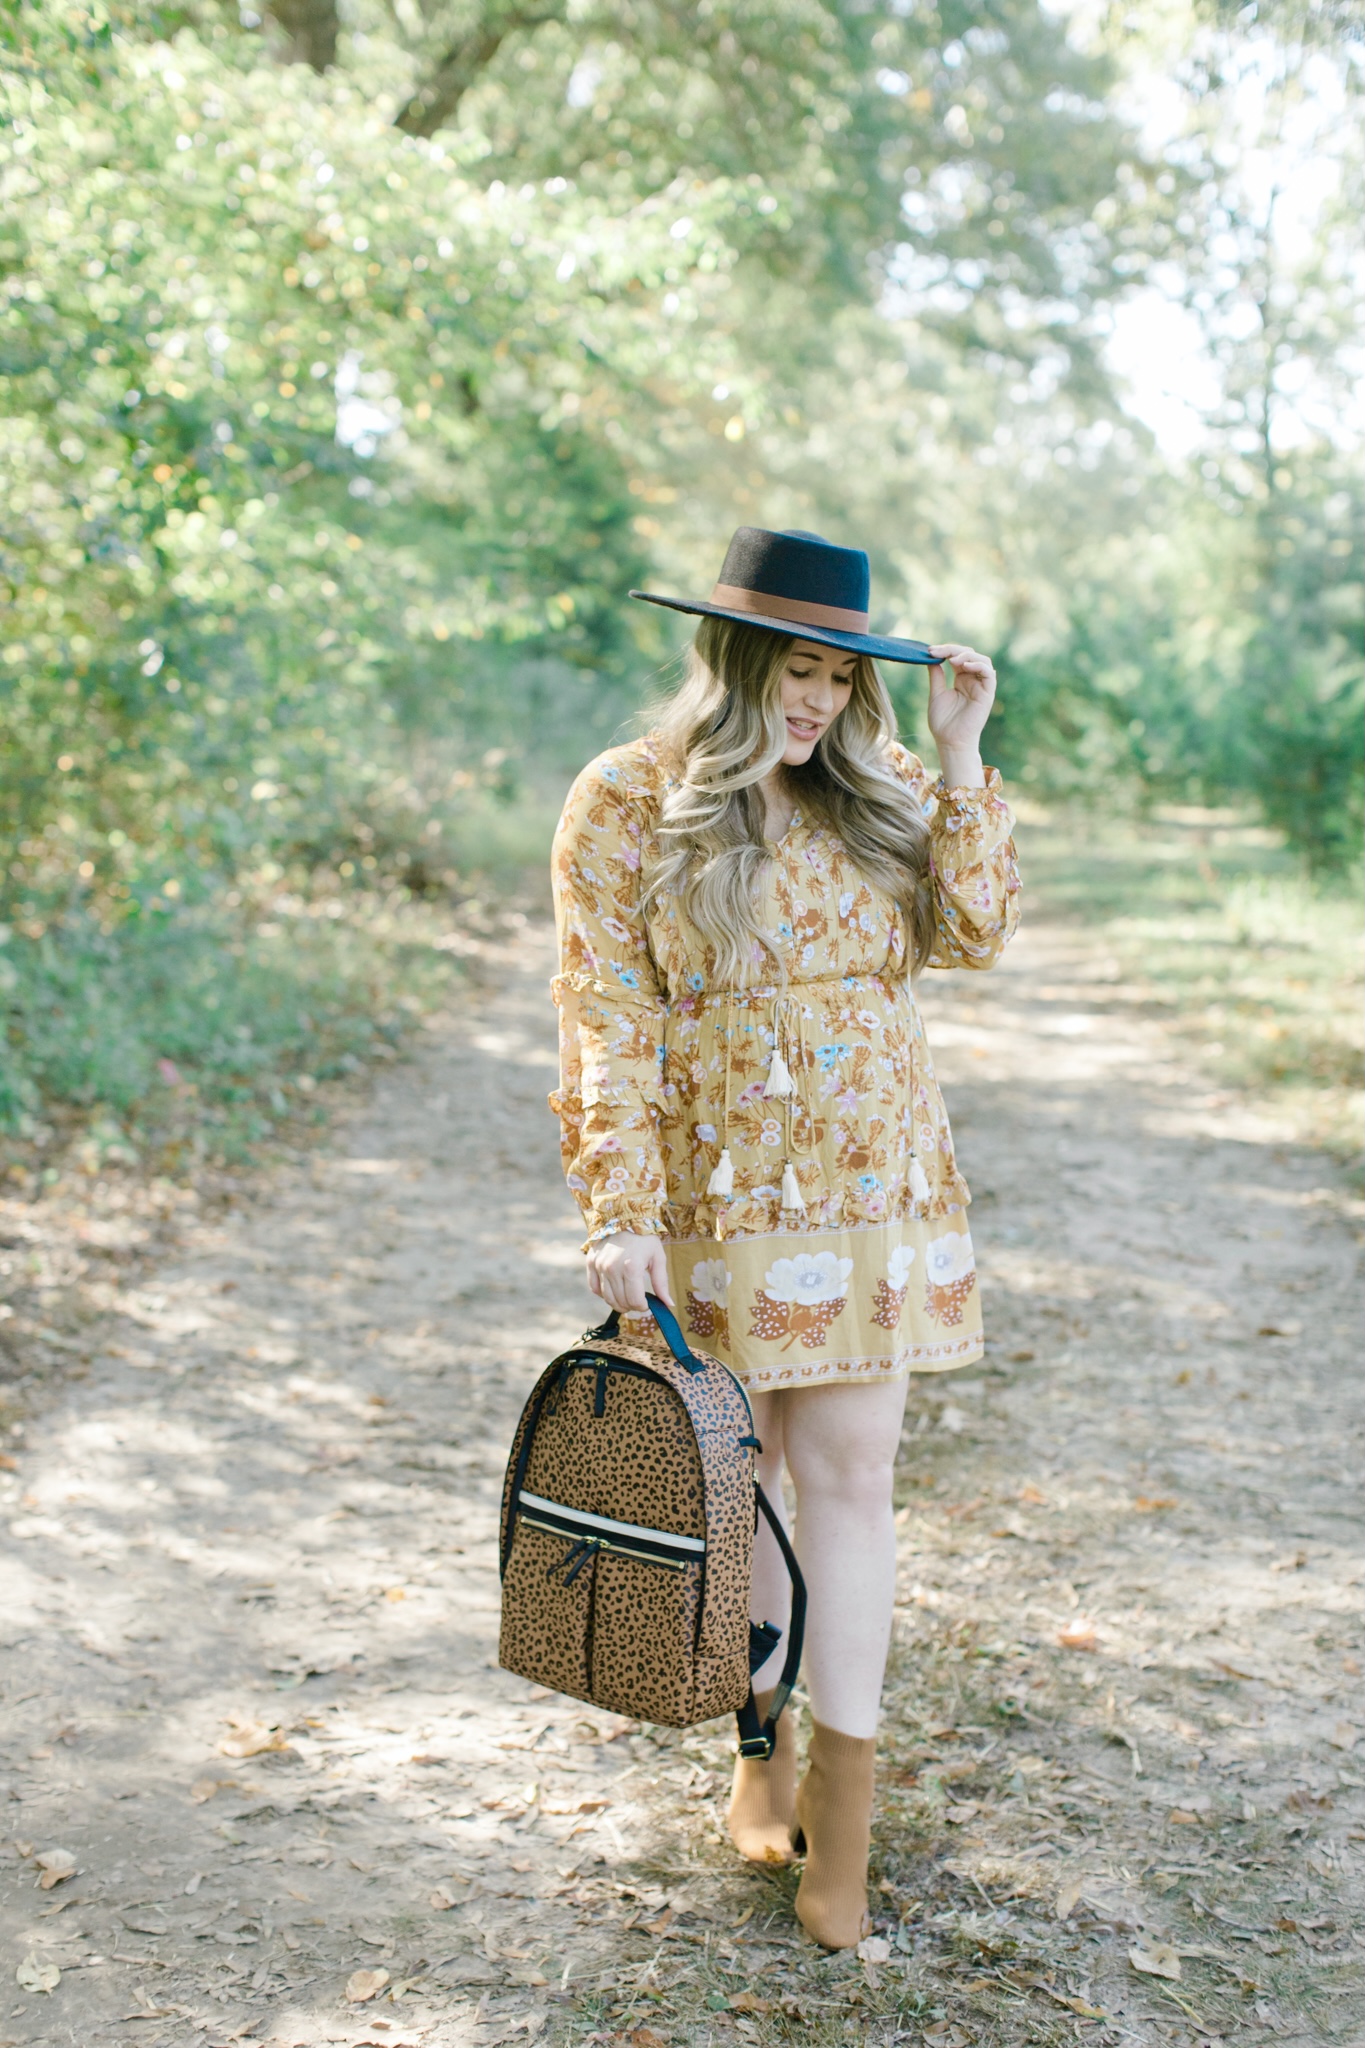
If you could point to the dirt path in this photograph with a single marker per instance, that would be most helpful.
(249, 1597)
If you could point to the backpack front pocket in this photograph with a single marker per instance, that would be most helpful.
(644, 1637)
(607, 1609)
(547, 1619)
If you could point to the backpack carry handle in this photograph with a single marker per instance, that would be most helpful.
(756, 1737)
(669, 1329)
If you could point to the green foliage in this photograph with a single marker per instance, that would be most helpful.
(342, 399)
(184, 1031)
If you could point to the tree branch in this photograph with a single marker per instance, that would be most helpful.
(437, 99)
(311, 26)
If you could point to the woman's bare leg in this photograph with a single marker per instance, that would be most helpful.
(840, 1447)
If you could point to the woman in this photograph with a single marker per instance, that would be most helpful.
(750, 1121)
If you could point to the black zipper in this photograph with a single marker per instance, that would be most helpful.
(644, 1553)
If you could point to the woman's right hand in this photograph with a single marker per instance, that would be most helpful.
(623, 1268)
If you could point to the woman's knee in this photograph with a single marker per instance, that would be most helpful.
(845, 1446)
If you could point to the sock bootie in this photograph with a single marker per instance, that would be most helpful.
(834, 1827)
(763, 1801)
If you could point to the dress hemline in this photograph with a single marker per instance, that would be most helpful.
(848, 1372)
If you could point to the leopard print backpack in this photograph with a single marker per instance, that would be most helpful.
(628, 1519)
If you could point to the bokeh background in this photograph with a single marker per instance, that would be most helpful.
(356, 357)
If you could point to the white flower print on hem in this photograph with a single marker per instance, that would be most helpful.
(817, 1277)
(950, 1276)
(708, 1296)
(898, 1266)
(801, 1297)
(892, 1290)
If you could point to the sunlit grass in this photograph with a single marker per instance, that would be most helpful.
(1255, 966)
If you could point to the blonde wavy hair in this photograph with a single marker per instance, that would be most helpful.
(723, 732)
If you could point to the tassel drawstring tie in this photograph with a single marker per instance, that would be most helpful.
(781, 1086)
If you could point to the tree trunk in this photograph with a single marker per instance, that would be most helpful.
(437, 99)
(311, 26)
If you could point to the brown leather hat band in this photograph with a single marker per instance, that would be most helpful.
(736, 599)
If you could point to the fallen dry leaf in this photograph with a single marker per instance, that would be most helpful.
(7, 1463)
(1182, 1817)
(363, 1985)
(645, 2037)
(1068, 1898)
(1151, 1503)
(1155, 1959)
(1032, 1494)
(1344, 1736)
(395, 1593)
(56, 1865)
(1078, 1635)
(960, 1812)
(1295, 1562)
(443, 1899)
(32, 1975)
(204, 1789)
(660, 1925)
(251, 1738)
(749, 2001)
(874, 1948)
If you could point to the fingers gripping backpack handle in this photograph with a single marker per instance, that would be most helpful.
(669, 1329)
(756, 1737)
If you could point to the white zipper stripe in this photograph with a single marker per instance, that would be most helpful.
(605, 1523)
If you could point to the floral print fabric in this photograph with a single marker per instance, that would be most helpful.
(872, 1276)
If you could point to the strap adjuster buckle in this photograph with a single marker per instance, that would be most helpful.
(760, 1746)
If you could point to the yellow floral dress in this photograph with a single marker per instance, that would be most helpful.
(841, 1251)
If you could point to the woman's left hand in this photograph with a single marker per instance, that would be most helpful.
(958, 710)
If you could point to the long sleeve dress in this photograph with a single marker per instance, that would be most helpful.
(873, 1275)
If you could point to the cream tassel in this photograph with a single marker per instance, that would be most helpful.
(791, 1192)
(779, 1081)
(722, 1181)
(919, 1185)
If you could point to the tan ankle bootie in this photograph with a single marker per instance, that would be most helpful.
(763, 1800)
(834, 1827)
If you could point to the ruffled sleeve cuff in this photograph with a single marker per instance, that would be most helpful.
(640, 1217)
(961, 809)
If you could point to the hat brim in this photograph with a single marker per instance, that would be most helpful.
(878, 645)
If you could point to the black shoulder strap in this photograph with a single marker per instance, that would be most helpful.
(756, 1737)
(669, 1327)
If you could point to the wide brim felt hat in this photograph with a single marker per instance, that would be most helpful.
(797, 583)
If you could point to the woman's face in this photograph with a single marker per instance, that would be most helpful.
(816, 685)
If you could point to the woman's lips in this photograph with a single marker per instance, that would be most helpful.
(804, 728)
